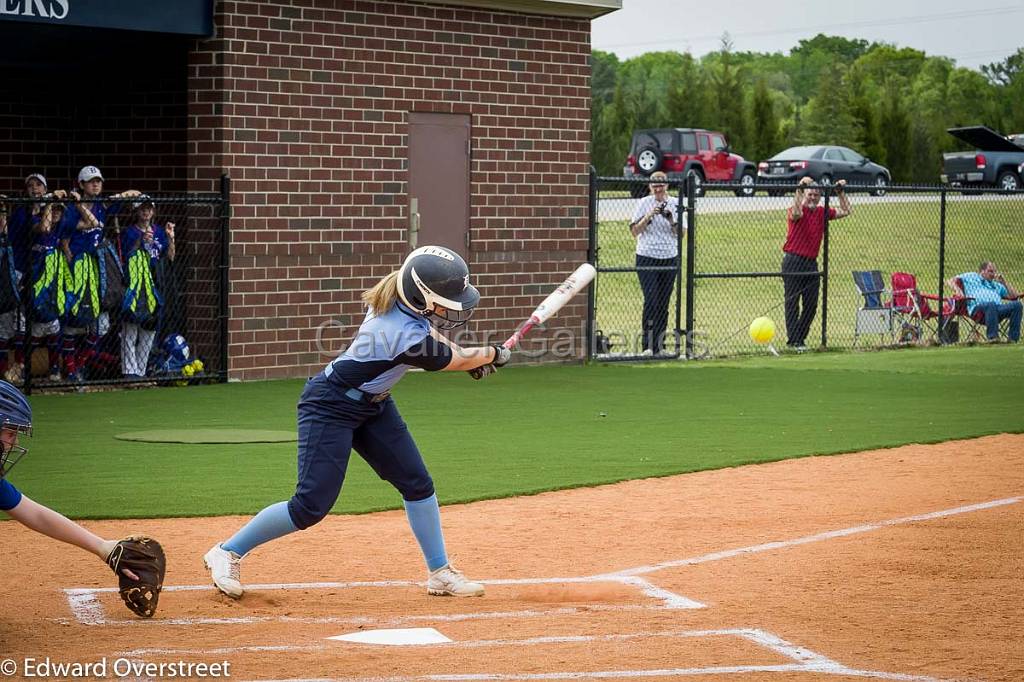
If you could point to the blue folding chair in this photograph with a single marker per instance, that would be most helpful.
(875, 313)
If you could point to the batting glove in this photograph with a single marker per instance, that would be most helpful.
(501, 356)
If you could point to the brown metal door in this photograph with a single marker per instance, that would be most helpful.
(439, 181)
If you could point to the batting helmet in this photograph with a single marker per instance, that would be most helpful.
(15, 415)
(434, 281)
(173, 355)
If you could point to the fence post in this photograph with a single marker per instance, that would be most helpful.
(824, 275)
(224, 266)
(592, 259)
(28, 315)
(691, 257)
(942, 262)
(678, 272)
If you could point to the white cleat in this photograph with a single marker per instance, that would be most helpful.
(448, 582)
(225, 569)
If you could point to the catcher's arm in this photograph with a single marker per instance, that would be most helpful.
(41, 519)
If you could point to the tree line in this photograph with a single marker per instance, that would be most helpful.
(891, 104)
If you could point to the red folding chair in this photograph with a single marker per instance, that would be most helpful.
(914, 319)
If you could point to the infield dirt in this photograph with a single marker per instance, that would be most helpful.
(940, 597)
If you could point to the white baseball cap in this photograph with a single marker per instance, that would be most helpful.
(142, 200)
(88, 173)
(36, 176)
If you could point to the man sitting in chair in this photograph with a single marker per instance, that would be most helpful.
(987, 289)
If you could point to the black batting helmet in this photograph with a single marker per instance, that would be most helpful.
(434, 277)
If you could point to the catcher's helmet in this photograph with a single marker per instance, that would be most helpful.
(16, 415)
(434, 277)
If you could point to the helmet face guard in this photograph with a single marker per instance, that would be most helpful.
(434, 281)
(9, 456)
(449, 319)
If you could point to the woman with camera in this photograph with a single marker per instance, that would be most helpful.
(656, 228)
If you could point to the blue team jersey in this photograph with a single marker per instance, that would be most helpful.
(40, 242)
(385, 348)
(10, 496)
(131, 239)
(85, 241)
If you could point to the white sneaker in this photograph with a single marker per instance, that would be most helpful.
(225, 569)
(448, 582)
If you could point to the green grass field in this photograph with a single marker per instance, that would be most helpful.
(526, 430)
(886, 237)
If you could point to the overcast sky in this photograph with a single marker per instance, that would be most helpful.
(973, 33)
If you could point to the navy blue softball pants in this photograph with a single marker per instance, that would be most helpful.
(331, 425)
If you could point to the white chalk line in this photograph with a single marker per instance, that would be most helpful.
(88, 610)
(390, 621)
(804, 659)
(807, 539)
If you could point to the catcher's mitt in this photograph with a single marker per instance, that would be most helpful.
(145, 558)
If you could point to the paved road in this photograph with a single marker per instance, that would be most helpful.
(622, 209)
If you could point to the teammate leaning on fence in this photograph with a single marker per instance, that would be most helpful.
(33, 233)
(348, 406)
(805, 229)
(143, 244)
(81, 233)
(17, 235)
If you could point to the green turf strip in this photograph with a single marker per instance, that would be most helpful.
(524, 430)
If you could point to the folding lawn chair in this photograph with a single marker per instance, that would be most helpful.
(977, 329)
(913, 316)
(874, 316)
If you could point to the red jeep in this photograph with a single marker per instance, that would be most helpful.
(702, 155)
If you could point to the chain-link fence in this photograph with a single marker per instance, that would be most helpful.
(113, 290)
(881, 277)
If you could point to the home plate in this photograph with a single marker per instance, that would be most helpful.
(395, 636)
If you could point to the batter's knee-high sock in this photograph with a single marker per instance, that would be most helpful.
(425, 520)
(270, 524)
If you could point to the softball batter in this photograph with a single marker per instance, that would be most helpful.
(348, 406)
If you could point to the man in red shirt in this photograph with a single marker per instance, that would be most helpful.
(806, 221)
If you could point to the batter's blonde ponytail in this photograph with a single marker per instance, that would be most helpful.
(383, 295)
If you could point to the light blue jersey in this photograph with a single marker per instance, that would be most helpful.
(385, 348)
(981, 290)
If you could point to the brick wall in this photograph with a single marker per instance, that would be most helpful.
(306, 109)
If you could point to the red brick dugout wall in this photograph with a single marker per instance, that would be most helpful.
(306, 109)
